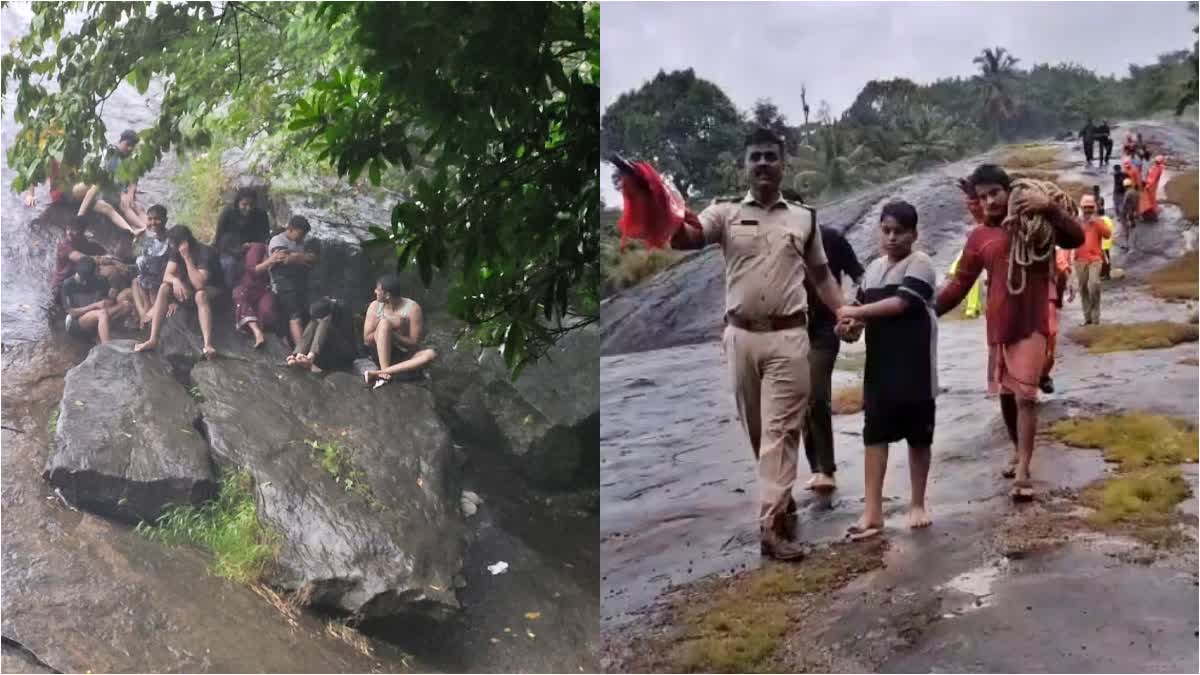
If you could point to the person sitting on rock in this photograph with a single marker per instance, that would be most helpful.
(192, 276)
(75, 246)
(90, 303)
(328, 341)
(393, 332)
(115, 199)
(290, 259)
(151, 263)
(240, 224)
(253, 301)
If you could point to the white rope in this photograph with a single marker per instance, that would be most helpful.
(1031, 235)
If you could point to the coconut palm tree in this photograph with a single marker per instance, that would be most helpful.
(828, 162)
(997, 71)
(927, 135)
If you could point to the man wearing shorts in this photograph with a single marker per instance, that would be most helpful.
(192, 276)
(291, 258)
(152, 262)
(1017, 324)
(90, 303)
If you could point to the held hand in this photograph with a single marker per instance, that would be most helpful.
(847, 312)
(185, 251)
(171, 308)
(179, 291)
(30, 199)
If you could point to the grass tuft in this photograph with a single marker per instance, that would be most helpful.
(1032, 156)
(1144, 498)
(200, 187)
(228, 527)
(1119, 337)
(335, 460)
(847, 400)
(1177, 280)
(1182, 190)
(1134, 440)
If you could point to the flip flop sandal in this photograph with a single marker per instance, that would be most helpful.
(379, 383)
(367, 379)
(1022, 491)
(1009, 471)
(856, 533)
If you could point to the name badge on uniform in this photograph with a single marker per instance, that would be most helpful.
(745, 228)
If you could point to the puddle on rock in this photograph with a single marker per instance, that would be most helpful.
(976, 584)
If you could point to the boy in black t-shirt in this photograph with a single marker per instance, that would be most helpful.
(193, 277)
(895, 302)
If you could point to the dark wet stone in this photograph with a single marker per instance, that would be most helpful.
(126, 446)
(395, 552)
(548, 420)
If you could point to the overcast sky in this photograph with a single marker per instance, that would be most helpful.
(766, 50)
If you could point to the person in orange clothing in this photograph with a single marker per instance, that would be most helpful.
(1089, 258)
(1063, 286)
(1148, 199)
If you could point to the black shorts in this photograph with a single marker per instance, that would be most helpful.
(293, 304)
(894, 421)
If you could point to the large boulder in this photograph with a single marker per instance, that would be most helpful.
(126, 445)
(381, 535)
(548, 420)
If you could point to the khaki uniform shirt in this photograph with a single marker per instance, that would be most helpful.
(768, 250)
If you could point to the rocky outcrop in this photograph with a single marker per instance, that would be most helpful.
(548, 420)
(378, 535)
(125, 445)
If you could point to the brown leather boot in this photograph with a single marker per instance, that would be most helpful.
(776, 547)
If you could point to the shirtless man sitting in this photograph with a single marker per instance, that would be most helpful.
(393, 330)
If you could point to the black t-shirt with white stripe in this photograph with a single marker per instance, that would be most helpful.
(901, 350)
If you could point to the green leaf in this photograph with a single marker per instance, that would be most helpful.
(376, 171)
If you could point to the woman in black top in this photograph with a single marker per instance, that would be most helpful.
(241, 223)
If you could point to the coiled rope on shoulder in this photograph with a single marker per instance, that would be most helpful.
(1031, 235)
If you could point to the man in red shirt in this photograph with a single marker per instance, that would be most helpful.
(1089, 258)
(1017, 324)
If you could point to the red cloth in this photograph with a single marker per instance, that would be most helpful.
(653, 211)
(1010, 318)
(252, 297)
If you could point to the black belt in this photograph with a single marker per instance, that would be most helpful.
(769, 324)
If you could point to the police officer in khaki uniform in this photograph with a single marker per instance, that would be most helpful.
(770, 244)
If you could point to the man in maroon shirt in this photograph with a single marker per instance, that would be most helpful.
(1017, 324)
(74, 246)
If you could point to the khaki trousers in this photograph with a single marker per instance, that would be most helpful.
(770, 373)
(1088, 275)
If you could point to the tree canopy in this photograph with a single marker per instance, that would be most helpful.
(483, 114)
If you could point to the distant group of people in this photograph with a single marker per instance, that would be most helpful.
(1135, 179)
(267, 278)
(783, 300)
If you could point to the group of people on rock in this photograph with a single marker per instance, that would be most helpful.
(267, 278)
(785, 314)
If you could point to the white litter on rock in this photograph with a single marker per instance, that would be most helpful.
(498, 568)
(470, 502)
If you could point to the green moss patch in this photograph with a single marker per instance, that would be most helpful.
(1177, 280)
(1032, 156)
(736, 625)
(1144, 498)
(1133, 440)
(336, 460)
(1119, 337)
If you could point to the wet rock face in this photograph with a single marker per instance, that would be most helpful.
(390, 541)
(548, 420)
(125, 445)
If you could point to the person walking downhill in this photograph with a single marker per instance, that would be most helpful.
(1017, 321)
(1104, 143)
(1088, 136)
(1089, 258)
(770, 246)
